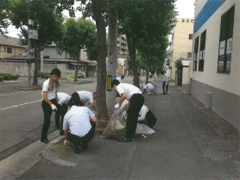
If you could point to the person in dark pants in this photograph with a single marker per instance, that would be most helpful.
(50, 101)
(164, 83)
(80, 120)
(63, 99)
(134, 95)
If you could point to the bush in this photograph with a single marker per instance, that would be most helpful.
(6, 77)
(1, 79)
(44, 74)
(15, 77)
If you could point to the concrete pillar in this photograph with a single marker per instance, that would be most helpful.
(208, 99)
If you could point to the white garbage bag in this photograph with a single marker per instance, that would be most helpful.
(144, 129)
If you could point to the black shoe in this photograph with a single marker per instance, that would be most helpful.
(125, 139)
(85, 147)
(45, 141)
(61, 132)
(77, 150)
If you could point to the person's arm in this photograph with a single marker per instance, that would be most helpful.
(46, 98)
(143, 115)
(94, 107)
(128, 106)
(94, 119)
(123, 97)
(66, 134)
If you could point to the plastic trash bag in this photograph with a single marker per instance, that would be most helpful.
(144, 129)
(116, 125)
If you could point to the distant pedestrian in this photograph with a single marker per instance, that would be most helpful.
(148, 87)
(120, 79)
(50, 101)
(81, 122)
(63, 99)
(164, 83)
(87, 97)
(134, 95)
(154, 81)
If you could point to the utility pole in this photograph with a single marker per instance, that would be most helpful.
(112, 56)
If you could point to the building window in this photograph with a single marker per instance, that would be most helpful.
(187, 20)
(195, 54)
(183, 20)
(192, 21)
(189, 55)
(5, 49)
(225, 42)
(9, 50)
(202, 51)
(190, 36)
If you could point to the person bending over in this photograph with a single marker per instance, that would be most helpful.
(134, 95)
(86, 96)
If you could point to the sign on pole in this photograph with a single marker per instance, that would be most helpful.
(33, 34)
(109, 83)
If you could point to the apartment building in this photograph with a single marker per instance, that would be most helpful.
(215, 66)
(181, 42)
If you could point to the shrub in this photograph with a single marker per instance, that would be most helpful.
(44, 74)
(6, 77)
(15, 77)
(1, 79)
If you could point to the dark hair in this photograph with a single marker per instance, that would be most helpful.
(115, 82)
(76, 100)
(122, 77)
(94, 93)
(56, 71)
(146, 82)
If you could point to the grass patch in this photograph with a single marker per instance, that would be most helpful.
(59, 149)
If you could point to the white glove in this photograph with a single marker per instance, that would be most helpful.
(66, 142)
(124, 115)
(166, 83)
(117, 106)
(54, 108)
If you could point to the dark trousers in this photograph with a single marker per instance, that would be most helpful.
(61, 115)
(47, 111)
(164, 86)
(83, 141)
(136, 103)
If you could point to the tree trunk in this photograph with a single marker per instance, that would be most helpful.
(101, 59)
(36, 55)
(76, 72)
(132, 54)
(147, 69)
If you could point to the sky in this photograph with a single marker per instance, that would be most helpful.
(185, 8)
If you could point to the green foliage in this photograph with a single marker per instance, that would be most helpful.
(178, 63)
(1, 79)
(44, 74)
(4, 15)
(8, 76)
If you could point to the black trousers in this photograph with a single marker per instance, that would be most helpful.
(83, 141)
(47, 111)
(64, 110)
(136, 103)
(164, 86)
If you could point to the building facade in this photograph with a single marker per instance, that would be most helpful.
(181, 42)
(215, 66)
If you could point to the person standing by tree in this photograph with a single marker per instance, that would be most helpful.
(154, 81)
(164, 83)
(50, 101)
(134, 95)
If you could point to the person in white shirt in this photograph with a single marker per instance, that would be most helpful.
(134, 95)
(63, 99)
(148, 87)
(50, 101)
(120, 78)
(81, 123)
(147, 117)
(86, 96)
(154, 81)
(164, 83)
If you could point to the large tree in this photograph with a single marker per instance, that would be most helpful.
(144, 20)
(4, 15)
(47, 21)
(77, 34)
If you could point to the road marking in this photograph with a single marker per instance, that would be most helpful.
(14, 93)
(10, 107)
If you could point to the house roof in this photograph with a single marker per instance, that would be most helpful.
(10, 41)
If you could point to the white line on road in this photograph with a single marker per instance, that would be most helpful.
(10, 107)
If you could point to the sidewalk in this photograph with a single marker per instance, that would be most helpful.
(191, 142)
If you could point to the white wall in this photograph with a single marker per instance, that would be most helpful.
(227, 82)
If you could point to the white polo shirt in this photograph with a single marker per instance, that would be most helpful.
(143, 112)
(164, 77)
(63, 98)
(51, 94)
(128, 89)
(85, 96)
(77, 119)
(119, 79)
(148, 86)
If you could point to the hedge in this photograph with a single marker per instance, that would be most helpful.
(44, 74)
(8, 76)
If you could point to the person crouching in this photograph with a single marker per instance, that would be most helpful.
(80, 120)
